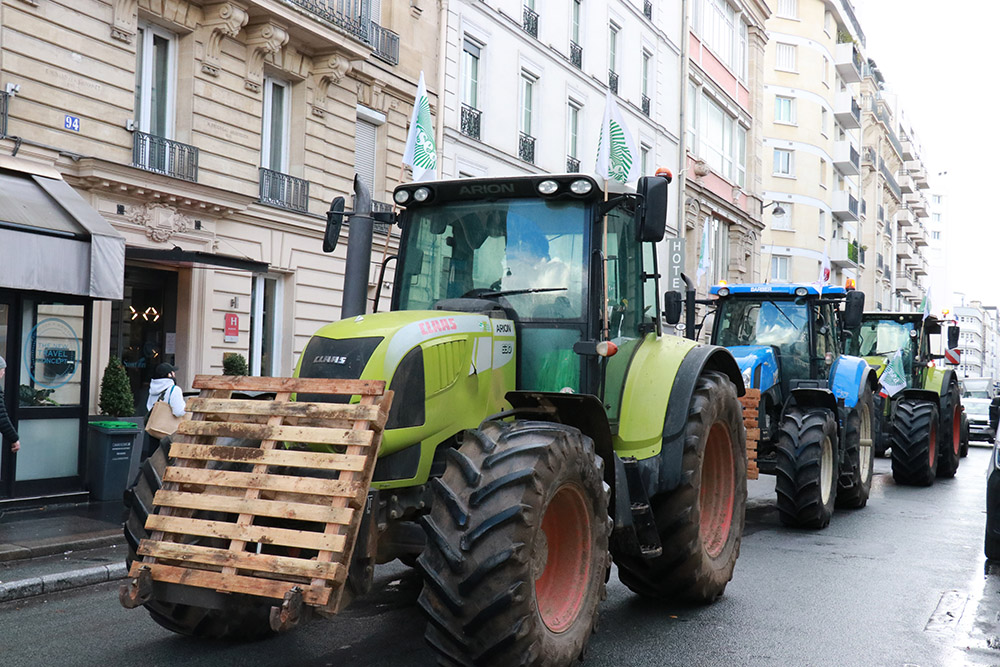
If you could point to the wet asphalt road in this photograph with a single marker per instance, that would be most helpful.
(901, 582)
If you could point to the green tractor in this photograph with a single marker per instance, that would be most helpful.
(542, 423)
(921, 406)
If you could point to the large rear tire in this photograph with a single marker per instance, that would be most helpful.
(243, 619)
(806, 467)
(914, 442)
(965, 435)
(517, 547)
(855, 482)
(700, 522)
(950, 447)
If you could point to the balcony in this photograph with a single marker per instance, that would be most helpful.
(890, 180)
(849, 63)
(904, 249)
(844, 253)
(576, 55)
(613, 81)
(846, 111)
(530, 21)
(572, 164)
(846, 158)
(908, 150)
(385, 44)
(164, 156)
(844, 205)
(471, 121)
(920, 177)
(906, 185)
(647, 9)
(921, 268)
(879, 262)
(645, 106)
(920, 240)
(349, 15)
(904, 218)
(284, 191)
(904, 285)
(917, 203)
(526, 148)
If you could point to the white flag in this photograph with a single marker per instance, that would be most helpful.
(705, 257)
(824, 269)
(616, 151)
(420, 152)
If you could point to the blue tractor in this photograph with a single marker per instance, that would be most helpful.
(816, 409)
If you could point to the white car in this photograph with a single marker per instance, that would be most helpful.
(978, 410)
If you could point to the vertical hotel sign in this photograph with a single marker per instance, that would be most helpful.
(231, 330)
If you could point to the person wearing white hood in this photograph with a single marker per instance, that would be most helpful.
(163, 388)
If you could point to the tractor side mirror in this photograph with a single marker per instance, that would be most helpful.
(953, 334)
(854, 310)
(651, 214)
(672, 302)
(334, 221)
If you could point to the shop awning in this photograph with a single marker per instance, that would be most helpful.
(195, 259)
(51, 240)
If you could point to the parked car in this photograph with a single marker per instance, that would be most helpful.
(978, 410)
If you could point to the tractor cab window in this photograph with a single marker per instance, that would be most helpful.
(530, 252)
(783, 325)
(883, 338)
(625, 287)
(826, 341)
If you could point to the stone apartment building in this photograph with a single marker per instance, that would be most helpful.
(204, 142)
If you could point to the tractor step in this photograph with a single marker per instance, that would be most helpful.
(283, 518)
(643, 521)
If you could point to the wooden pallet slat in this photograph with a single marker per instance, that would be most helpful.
(304, 539)
(282, 565)
(312, 435)
(271, 457)
(255, 506)
(345, 411)
(264, 482)
(290, 385)
(230, 583)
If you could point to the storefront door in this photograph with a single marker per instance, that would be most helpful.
(10, 396)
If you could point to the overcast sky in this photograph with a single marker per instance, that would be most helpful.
(940, 59)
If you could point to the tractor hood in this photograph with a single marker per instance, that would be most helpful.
(759, 365)
(878, 363)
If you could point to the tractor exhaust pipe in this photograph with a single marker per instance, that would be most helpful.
(359, 253)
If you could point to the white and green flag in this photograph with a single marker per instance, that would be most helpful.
(420, 152)
(705, 256)
(894, 376)
(616, 151)
(927, 306)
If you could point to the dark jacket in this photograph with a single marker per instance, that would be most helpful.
(6, 428)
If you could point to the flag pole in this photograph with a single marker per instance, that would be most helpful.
(604, 262)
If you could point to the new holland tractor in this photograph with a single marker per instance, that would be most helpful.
(922, 419)
(542, 424)
(816, 411)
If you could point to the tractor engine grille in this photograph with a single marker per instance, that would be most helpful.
(335, 359)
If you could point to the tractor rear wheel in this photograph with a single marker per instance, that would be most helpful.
(914, 442)
(701, 521)
(807, 467)
(243, 619)
(855, 483)
(517, 547)
(964, 451)
(950, 451)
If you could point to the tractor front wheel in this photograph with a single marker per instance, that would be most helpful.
(700, 523)
(855, 483)
(806, 481)
(517, 547)
(914, 442)
(951, 436)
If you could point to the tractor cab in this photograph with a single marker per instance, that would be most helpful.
(882, 335)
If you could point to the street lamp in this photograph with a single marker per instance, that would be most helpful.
(778, 212)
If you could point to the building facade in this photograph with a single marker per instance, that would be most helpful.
(723, 139)
(211, 136)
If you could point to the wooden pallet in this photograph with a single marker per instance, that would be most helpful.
(751, 401)
(302, 506)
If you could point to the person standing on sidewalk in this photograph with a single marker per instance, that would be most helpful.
(6, 427)
(163, 387)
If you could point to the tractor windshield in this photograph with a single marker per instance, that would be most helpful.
(533, 246)
(782, 324)
(882, 338)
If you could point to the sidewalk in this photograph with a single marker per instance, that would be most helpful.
(60, 547)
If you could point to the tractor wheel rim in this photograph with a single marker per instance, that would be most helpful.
(717, 495)
(826, 470)
(865, 445)
(933, 443)
(561, 586)
(956, 430)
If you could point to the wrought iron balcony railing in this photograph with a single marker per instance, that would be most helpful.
(284, 191)
(613, 81)
(572, 164)
(471, 121)
(645, 105)
(385, 44)
(647, 9)
(530, 21)
(164, 156)
(353, 16)
(526, 148)
(576, 54)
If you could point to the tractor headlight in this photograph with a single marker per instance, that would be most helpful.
(421, 194)
(723, 292)
(547, 187)
(801, 291)
(401, 197)
(747, 377)
(581, 187)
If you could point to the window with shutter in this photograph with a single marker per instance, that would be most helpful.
(364, 154)
(785, 57)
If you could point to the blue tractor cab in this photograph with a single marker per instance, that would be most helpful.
(816, 404)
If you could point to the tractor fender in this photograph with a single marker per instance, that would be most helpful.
(940, 380)
(662, 472)
(809, 397)
(918, 395)
(848, 378)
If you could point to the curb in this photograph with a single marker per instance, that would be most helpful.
(16, 552)
(51, 583)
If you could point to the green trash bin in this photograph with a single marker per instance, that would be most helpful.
(109, 453)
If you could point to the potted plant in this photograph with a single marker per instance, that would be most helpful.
(116, 399)
(113, 446)
(234, 363)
